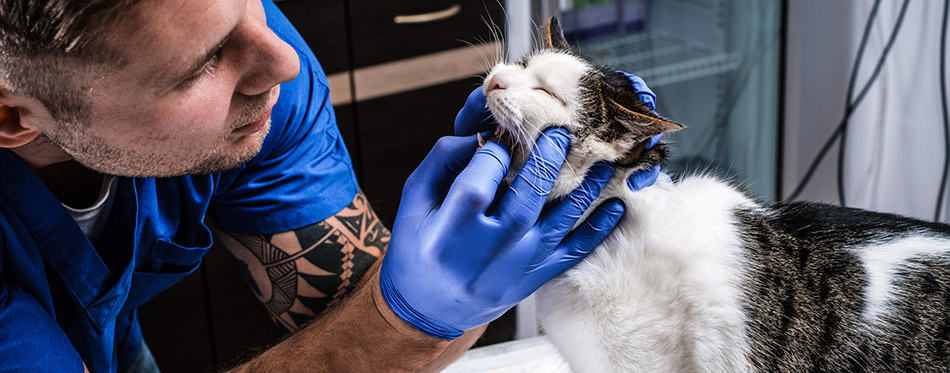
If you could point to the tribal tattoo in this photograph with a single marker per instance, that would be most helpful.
(298, 274)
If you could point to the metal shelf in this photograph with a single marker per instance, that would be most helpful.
(660, 58)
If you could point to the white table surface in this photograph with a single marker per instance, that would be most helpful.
(529, 355)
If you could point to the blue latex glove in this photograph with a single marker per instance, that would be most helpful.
(645, 178)
(458, 258)
(648, 97)
(475, 117)
(643, 92)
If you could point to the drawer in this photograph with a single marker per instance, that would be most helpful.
(322, 23)
(423, 27)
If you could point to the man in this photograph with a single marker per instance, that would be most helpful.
(129, 130)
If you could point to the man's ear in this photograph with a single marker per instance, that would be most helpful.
(15, 129)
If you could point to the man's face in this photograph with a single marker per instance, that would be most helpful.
(194, 97)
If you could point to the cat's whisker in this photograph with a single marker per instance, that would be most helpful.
(479, 76)
(485, 59)
(501, 27)
(496, 31)
(537, 38)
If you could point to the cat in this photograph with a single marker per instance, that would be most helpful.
(698, 276)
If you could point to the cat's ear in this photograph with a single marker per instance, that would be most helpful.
(554, 36)
(640, 122)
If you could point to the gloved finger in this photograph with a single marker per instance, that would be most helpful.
(474, 189)
(474, 116)
(665, 177)
(643, 92)
(522, 202)
(558, 220)
(654, 140)
(579, 242)
(439, 169)
(644, 178)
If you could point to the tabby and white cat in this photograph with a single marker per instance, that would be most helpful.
(698, 276)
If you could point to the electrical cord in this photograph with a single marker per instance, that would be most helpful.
(851, 107)
(844, 128)
(943, 105)
(834, 136)
(850, 96)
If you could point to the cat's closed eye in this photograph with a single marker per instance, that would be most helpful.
(545, 90)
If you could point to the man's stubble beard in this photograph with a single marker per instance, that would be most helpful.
(224, 162)
(94, 153)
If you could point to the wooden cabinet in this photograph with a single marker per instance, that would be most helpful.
(399, 72)
(323, 24)
(412, 68)
(385, 31)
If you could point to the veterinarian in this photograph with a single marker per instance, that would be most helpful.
(130, 131)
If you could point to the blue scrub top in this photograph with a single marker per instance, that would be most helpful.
(64, 302)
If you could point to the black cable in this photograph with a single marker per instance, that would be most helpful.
(844, 129)
(943, 102)
(838, 130)
(848, 104)
(850, 96)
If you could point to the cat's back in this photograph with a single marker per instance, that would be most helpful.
(842, 289)
(698, 277)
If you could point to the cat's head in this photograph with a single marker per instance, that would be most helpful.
(555, 86)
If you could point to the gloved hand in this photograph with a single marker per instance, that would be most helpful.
(475, 117)
(458, 258)
(643, 92)
(646, 178)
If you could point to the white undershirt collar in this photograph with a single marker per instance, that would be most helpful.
(92, 220)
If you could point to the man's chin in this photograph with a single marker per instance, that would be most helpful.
(226, 162)
(231, 157)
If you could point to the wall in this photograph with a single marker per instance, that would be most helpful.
(894, 157)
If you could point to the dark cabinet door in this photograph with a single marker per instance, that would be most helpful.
(386, 31)
(397, 133)
(322, 23)
(409, 83)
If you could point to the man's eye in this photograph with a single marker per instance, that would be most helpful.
(206, 71)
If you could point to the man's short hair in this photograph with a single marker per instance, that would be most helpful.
(49, 48)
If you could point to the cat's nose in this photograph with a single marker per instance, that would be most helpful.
(497, 82)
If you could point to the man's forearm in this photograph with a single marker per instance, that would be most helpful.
(361, 334)
(455, 350)
(357, 331)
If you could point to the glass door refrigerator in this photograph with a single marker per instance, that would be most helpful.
(713, 64)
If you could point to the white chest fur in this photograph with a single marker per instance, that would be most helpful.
(662, 293)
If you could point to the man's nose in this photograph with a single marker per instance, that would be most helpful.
(271, 61)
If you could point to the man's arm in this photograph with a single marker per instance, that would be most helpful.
(298, 274)
(314, 271)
